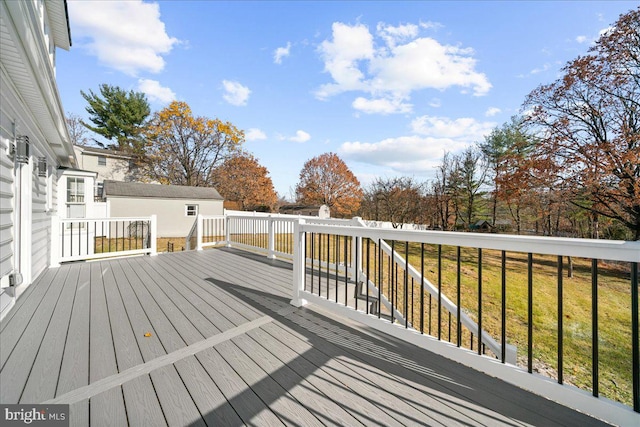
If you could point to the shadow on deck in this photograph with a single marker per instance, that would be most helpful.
(226, 348)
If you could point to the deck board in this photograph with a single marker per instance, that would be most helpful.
(174, 398)
(19, 317)
(85, 322)
(214, 407)
(269, 355)
(16, 369)
(43, 378)
(279, 400)
(187, 321)
(143, 407)
(246, 403)
(74, 371)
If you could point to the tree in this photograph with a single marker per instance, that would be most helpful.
(77, 131)
(241, 178)
(494, 149)
(589, 125)
(185, 150)
(327, 180)
(397, 200)
(118, 115)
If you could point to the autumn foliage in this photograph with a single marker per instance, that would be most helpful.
(242, 179)
(327, 180)
(185, 150)
(588, 122)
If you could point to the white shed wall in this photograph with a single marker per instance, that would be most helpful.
(172, 219)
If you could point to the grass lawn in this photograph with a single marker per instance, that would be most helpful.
(614, 307)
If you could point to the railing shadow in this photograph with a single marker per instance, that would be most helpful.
(443, 389)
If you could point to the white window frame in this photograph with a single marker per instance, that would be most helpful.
(191, 210)
(74, 198)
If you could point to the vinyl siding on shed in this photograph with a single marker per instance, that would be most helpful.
(172, 220)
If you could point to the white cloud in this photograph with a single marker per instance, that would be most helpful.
(381, 106)
(128, 36)
(492, 111)
(235, 93)
(400, 63)
(155, 91)
(394, 35)
(341, 55)
(421, 152)
(465, 129)
(301, 136)
(542, 69)
(435, 103)
(581, 39)
(604, 31)
(254, 134)
(281, 52)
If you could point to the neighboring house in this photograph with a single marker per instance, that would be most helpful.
(33, 137)
(321, 211)
(176, 206)
(108, 164)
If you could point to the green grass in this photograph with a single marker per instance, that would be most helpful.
(614, 308)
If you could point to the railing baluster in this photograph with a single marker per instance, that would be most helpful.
(328, 263)
(560, 321)
(422, 288)
(346, 269)
(366, 285)
(319, 264)
(503, 337)
(337, 249)
(313, 239)
(391, 279)
(635, 337)
(439, 292)
(406, 284)
(530, 312)
(479, 300)
(594, 327)
(458, 309)
(355, 269)
(379, 277)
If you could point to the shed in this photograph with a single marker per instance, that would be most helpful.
(176, 206)
(321, 211)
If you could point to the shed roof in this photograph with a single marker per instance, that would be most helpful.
(159, 191)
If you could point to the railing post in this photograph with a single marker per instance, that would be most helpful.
(272, 238)
(227, 231)
(356, 251)
(199, 231)
(299, 264)
(54, 261)
(154, 235)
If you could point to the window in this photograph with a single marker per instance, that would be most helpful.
(191, 210)
(102, 161)
(75, 190)
(98, 192)
(75, 197)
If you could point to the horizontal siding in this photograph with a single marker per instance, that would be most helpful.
(39, 221)
(6, 201)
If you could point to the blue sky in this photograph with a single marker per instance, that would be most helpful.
(388, 85)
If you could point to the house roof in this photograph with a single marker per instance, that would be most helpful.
(158, 191)
(84, 149)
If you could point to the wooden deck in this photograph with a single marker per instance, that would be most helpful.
(225, 348)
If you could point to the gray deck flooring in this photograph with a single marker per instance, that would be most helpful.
(225, 348)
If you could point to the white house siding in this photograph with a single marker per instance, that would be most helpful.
(172, 219)
(30, 106)
(6, 190)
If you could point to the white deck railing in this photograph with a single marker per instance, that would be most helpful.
(93, 238)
